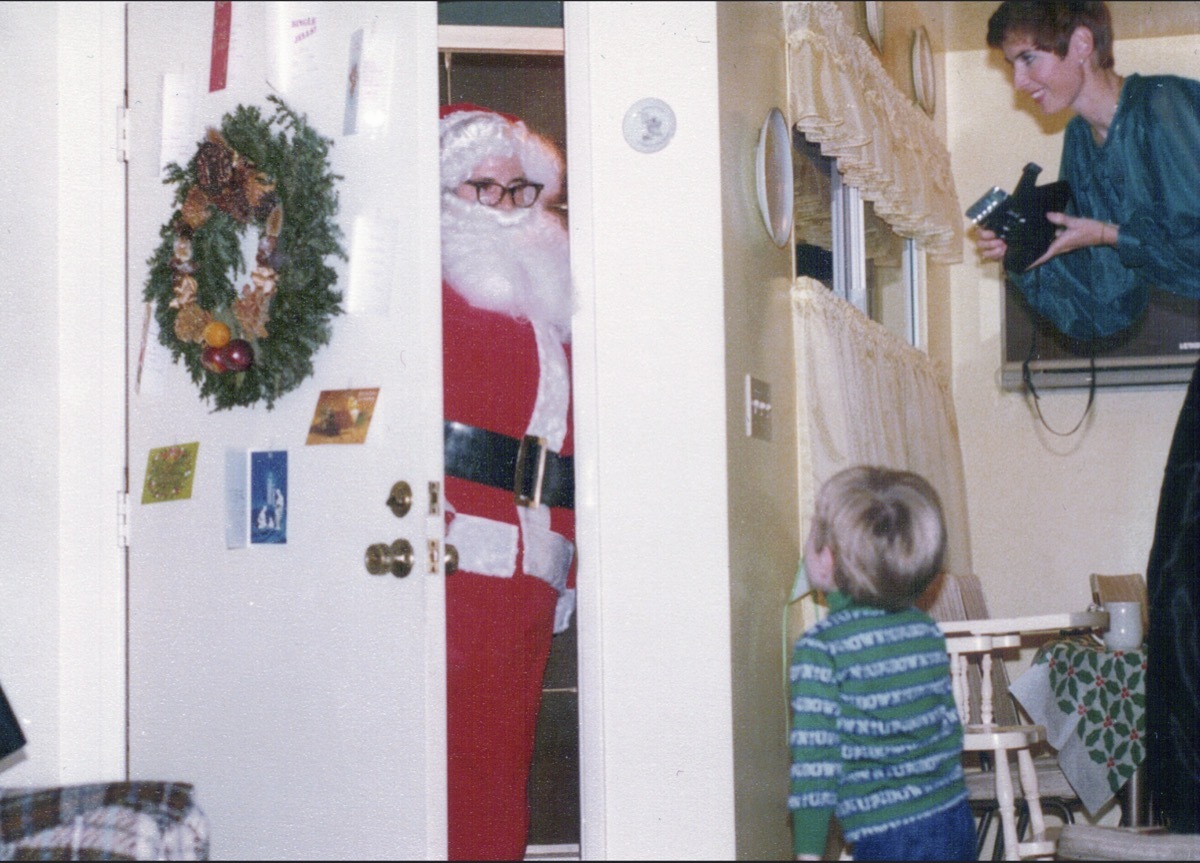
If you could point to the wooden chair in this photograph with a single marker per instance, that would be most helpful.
(959, 597)
(992, 726)
(981, 733)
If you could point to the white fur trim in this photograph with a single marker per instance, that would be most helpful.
(469, 137)
(488, 547)
(484, 546)
(548, 554)
(563, 610)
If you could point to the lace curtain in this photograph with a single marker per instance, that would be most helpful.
(884, 144)
(865, 397)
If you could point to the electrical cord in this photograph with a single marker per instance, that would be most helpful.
(1027, 376)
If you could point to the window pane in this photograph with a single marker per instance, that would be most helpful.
(813, 212)
(845, 245)
(889, 301)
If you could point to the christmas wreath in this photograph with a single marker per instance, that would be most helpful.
(256, 343)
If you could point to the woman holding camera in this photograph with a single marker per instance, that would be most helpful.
(1129, 155)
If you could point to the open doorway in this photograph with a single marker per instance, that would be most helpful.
(529, 84)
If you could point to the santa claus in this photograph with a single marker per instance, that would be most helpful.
(506, 312)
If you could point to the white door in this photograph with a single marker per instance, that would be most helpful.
(301, 694)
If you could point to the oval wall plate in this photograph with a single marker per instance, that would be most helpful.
(924, 83)
(874, 12)
(773, 176)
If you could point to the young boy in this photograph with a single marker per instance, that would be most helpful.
(876, 740)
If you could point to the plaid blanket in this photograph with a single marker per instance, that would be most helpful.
(105, 821)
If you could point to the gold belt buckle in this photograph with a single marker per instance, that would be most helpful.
(534, 500)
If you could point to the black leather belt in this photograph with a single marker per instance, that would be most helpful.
(533, 473)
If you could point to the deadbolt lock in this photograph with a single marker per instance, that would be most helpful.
(396, 558)
(400, 500)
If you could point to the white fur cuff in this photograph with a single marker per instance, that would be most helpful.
(484, 546)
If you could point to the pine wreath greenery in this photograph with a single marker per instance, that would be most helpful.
(253, 343)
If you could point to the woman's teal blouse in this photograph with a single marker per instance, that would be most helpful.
(1145, 178)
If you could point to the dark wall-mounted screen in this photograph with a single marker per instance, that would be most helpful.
(1161, 348)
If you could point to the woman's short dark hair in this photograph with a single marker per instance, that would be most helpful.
(1049, 25)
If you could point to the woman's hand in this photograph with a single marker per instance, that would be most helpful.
(989, 246)
(1076, 232)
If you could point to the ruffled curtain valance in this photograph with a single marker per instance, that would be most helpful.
(841, 98)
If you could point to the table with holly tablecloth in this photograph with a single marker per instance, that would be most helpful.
(1092, 702)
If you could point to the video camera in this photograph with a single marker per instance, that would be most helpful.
(1020, 218)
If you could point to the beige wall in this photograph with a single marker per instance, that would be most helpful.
(763, 519)
(1045, 511)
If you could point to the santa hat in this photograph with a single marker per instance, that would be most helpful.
(470, 134)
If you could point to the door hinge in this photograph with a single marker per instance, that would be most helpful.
(123, 519)
(123, 133)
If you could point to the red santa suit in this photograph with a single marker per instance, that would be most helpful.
(506, 366)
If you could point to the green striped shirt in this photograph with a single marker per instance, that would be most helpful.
(875, 735)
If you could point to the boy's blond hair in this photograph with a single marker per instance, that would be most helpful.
(886, 531)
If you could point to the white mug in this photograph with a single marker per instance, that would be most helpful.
(1124, 625)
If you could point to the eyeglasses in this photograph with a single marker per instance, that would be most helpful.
(491, 194)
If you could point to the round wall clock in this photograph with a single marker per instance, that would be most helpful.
(924, 83)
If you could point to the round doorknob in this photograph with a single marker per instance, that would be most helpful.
(396, 558)
(451, 559)
(400, 500)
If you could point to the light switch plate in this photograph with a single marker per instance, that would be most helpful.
(758, 408)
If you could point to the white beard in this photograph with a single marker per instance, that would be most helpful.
(511, 261)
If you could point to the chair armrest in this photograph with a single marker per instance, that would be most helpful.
(981, 643)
